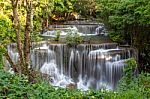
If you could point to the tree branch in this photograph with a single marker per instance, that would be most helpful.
(14, 66)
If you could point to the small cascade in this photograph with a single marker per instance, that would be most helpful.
(40, 55)
(13, 52)
(64, 31)
(100, 30)
(14, 56)
(97, 66)
(56, 78)
(83, 28)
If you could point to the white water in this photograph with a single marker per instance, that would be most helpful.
(57, 78)
(92, 67)
(65, 31)
(97, 66)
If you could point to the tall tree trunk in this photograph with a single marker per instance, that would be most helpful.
(24, 55)
(18, 29)
(46, 23)
(27, 35)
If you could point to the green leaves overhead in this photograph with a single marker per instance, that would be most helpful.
(44, 7)
(131, 11)
(63, 6)
(59, 5)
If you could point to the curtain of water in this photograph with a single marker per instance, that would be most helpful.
(91, 65)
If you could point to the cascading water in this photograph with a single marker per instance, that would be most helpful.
(86, 66)
(97, 66)
(83, 28)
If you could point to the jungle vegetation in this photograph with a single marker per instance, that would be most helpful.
(128, 22)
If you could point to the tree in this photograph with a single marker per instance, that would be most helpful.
(86, 8)
(23, 49)
(132, 19)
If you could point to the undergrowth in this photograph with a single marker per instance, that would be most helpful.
(18, 87)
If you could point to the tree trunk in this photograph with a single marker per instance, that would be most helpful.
(24, 55)
(18, 29)
(14, 66)
(27, 36)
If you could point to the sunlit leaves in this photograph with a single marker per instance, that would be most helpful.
(7, 34)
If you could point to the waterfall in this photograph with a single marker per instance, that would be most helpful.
(97, 66)
(83, 28)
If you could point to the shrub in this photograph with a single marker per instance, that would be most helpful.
(116, 37)
(57, 38)
(73, 38)
(132, 84)
(18, 87)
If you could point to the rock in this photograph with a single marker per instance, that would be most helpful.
(71, 86)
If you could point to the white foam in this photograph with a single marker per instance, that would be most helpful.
(58, 79)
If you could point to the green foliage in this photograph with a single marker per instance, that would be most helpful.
(139, 87)
(86, 8)
(125, 11)
(57, 35)
(44, 8)
(73, 38)
(15, 87)
(128, 74)
(1, 60)
(131, 84)
(127, 16)
(12, 86)
(116, 37)
(63, 6)
(59, 6)
(7, 33)
(35, 37)
(18, 87)
(2, 52)
(130, 18)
